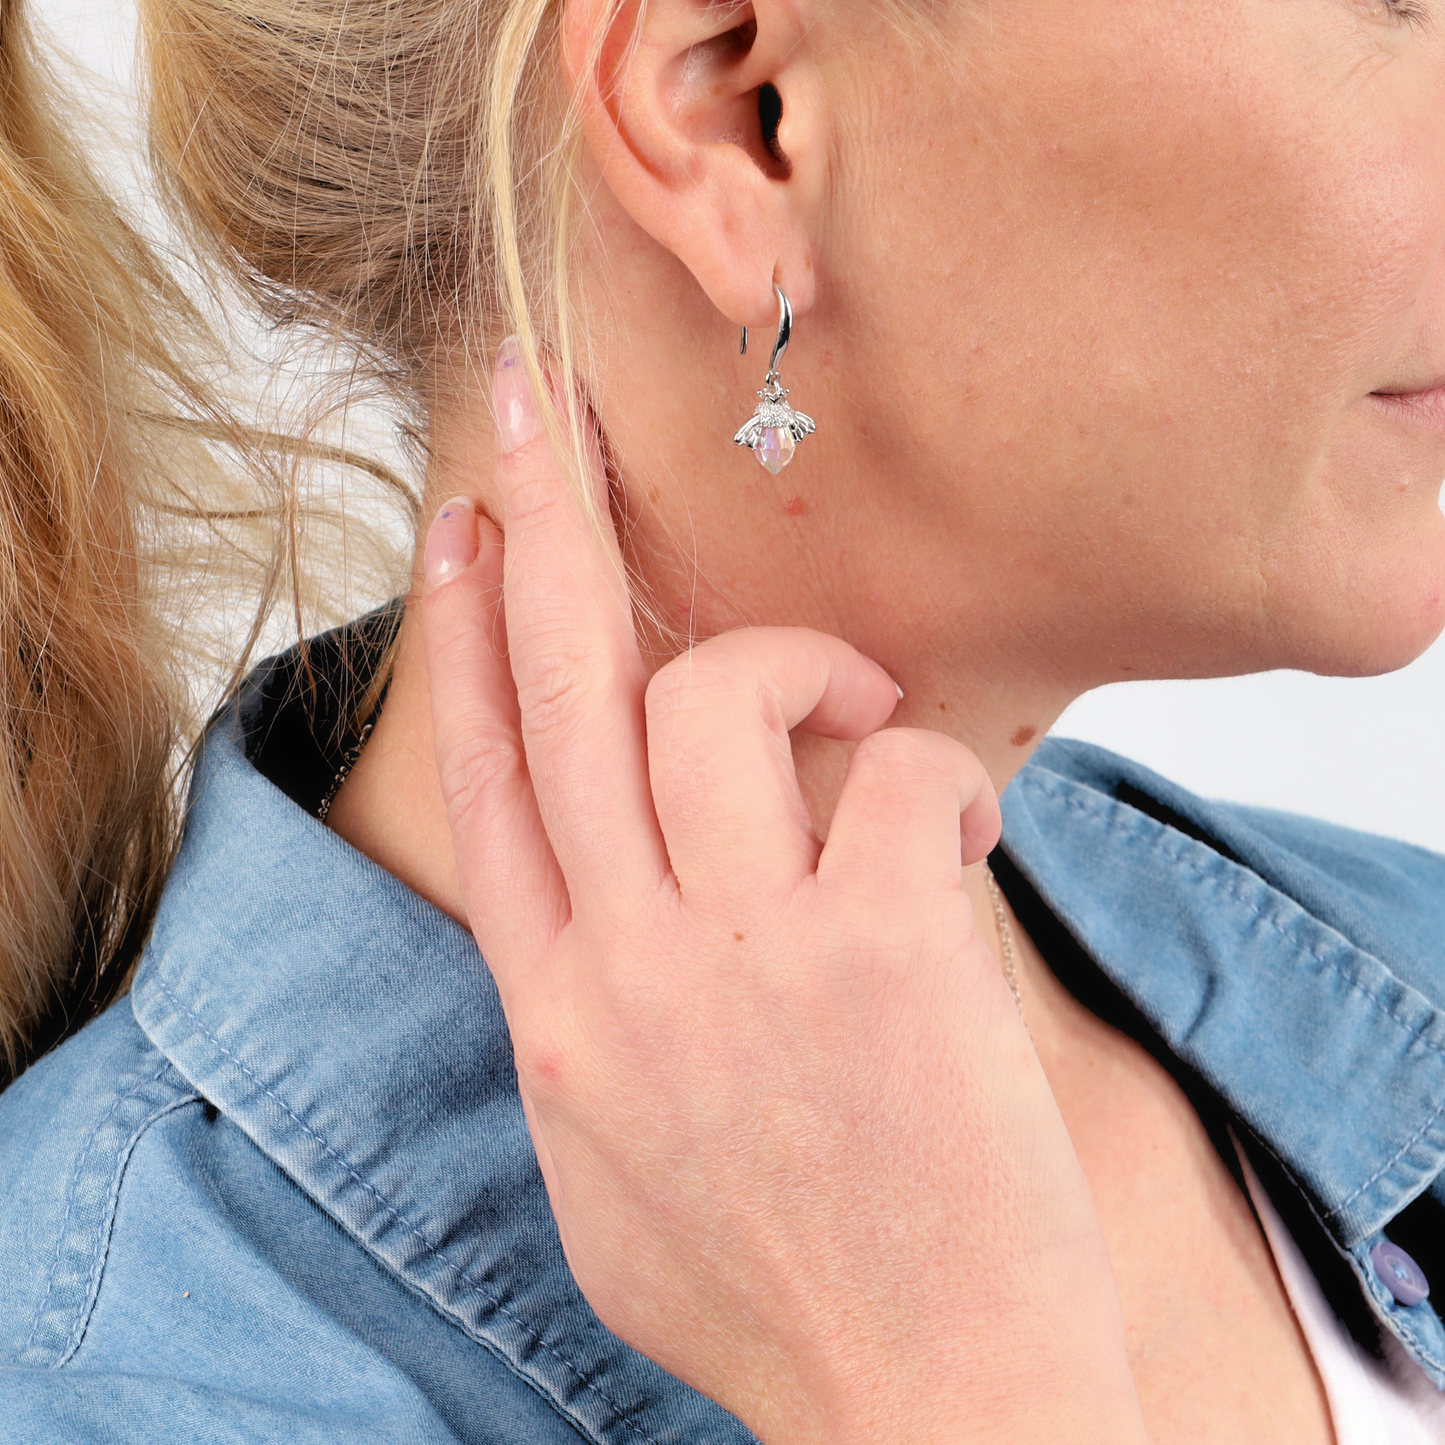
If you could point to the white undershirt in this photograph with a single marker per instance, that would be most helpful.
(1372, 1402)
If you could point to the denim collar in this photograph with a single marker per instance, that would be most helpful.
(354, 1033)
(1297, 968)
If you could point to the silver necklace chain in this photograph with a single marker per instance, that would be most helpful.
(1005, 937)
(348, 761)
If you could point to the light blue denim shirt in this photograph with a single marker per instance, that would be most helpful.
(284, 1192)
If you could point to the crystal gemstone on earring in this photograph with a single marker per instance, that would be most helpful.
(774, 429)
(775, 448)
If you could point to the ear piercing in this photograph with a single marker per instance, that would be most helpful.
(774, 429)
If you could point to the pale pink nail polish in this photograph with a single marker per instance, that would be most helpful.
(518, 419)
(451, 544)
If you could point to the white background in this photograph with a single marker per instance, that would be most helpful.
(1365, 752)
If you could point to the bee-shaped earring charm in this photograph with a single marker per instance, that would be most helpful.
(774, 429)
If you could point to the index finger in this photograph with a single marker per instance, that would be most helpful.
(575, 661)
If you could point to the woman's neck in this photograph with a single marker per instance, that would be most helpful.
(956, 679)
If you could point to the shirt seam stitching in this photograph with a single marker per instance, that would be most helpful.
(1200, 871)
(81, 1326)
(1126, 829)
(406, 1223)
(75, 1176)
(1389, 1163)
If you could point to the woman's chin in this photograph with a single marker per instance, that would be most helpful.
(1376, 615)
(1361, 572)
(1373, 658)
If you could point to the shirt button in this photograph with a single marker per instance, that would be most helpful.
(1399, 1273)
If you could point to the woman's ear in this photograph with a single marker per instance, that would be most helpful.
(705, 120)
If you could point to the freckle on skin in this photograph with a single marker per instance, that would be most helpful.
(1023, 735)
(738, 936)
(795, 506)
(943, 707)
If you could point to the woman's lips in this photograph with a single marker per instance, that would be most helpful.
(1426, 407)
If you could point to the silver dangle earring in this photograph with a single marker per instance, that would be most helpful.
(774, 429)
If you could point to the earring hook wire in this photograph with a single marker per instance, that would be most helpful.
(785, 331)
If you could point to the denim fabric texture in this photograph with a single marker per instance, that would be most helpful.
(284, 1192)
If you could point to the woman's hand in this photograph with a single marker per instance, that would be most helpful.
(798, 1145)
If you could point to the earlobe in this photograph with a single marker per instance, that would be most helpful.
(701, 120)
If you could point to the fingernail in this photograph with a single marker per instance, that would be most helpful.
(518, 419)
(900, 692)
(451, 544)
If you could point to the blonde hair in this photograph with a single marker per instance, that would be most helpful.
(142, 525)
(342, 163)
(91, 717)
(395, 174)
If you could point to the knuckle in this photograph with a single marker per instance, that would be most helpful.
(478, 770)
(548, 1065)
(556, 689)
(665, 688)
(922, 756)
(720, 670)
(542, 1065)
(691, 683)
(537, 496)
(902, 749)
